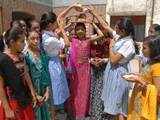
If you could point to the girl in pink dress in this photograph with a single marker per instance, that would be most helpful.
(78, 104)
(80, 76)
(79, 101)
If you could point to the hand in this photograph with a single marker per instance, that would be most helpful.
(112, 43)
(139, 79)
(62, 56)
(9, 114)
(78, 7)
(34, 100)
(46, 96)
(58, 32)
(131, 77)
(34, 103)
(87, 10)
(39, 98)
(135, 78)
(95, 62)
(100, 61)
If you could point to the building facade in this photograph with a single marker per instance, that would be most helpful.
(12, 9)
(143, 12)
(99, 5)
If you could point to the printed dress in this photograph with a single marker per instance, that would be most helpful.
(101, 51)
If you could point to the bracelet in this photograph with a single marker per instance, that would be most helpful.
(105, 60)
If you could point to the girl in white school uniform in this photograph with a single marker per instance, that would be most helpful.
(116, 90)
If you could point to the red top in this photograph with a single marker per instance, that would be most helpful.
(100, 49)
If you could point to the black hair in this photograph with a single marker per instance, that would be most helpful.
(13, 23)
(156, 27)
(154, 45)
(47, 18)
(148, 38)
(80, 24)
(29, 24)
(13, 34)
(127, 25)
(82, 16)
(1, 43)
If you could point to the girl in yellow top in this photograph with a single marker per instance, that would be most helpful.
(146, 93)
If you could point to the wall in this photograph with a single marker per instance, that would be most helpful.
(146, 8)
(101, 10)
(8, 6)
(43, 2)
(152, 13)
(125, 8)
(59, 3)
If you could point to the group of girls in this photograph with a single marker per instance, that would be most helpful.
(78, 66)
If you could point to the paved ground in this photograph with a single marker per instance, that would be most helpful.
(64, 117)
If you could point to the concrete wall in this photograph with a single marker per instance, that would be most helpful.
(152, 13)
(59, 3)
(43, 2)
(134, 8)
(101, 10)
(156, 17)
(125, 7)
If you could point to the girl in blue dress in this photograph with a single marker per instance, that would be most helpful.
(52, 45)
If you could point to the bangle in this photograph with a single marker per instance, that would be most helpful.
(114, 33)
(105, 60)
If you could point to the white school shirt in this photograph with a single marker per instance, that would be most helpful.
(125, 47)
(51, 44)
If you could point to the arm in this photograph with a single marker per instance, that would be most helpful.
(62, 15)
(100, 34)
(60, 20)
(46, 94)
(102, 22)
(3, 97)
(8, 112)
(114, 57)
(65, 37)
(30, 85)
(66, 11)
(69, 27)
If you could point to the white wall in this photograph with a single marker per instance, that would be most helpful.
(58, 3)
(44, 2)
(118, 7)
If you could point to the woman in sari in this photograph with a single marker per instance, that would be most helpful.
(146, 93)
